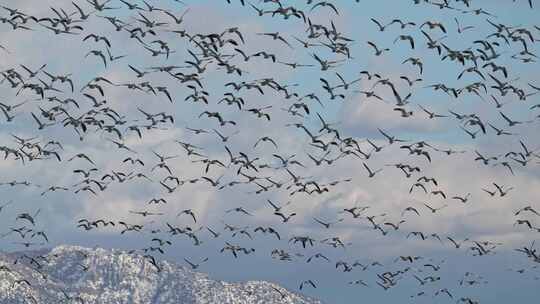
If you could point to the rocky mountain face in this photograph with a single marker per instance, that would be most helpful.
(70, 274)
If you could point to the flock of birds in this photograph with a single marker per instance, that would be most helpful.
(231, 136)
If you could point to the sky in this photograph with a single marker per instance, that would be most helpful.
(482, 218)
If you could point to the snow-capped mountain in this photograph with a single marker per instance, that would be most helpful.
(81, 275)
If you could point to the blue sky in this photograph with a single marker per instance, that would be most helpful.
(356, 116)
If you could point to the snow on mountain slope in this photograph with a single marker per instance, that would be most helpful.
(98, 276)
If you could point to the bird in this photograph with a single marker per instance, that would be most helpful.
(501, 190)
(462, 199)
(27, 217)
(462, 29)
(97, 38)
(306, 283)
(5, 205)
(327, 224)
(41, 125)
(415, 62)
(434, 210)
(188, 212)
(193, 265)
(378, 51)
(434, 25)
(239, 210)
(276, 36)
(285, 218)
(455, 243)
(325, 4)
(410, 209)
(371, 173)
(408, 38)
(277, 208)
(391, 139)
(528, 209)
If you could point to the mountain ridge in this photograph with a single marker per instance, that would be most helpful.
(73, 274)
